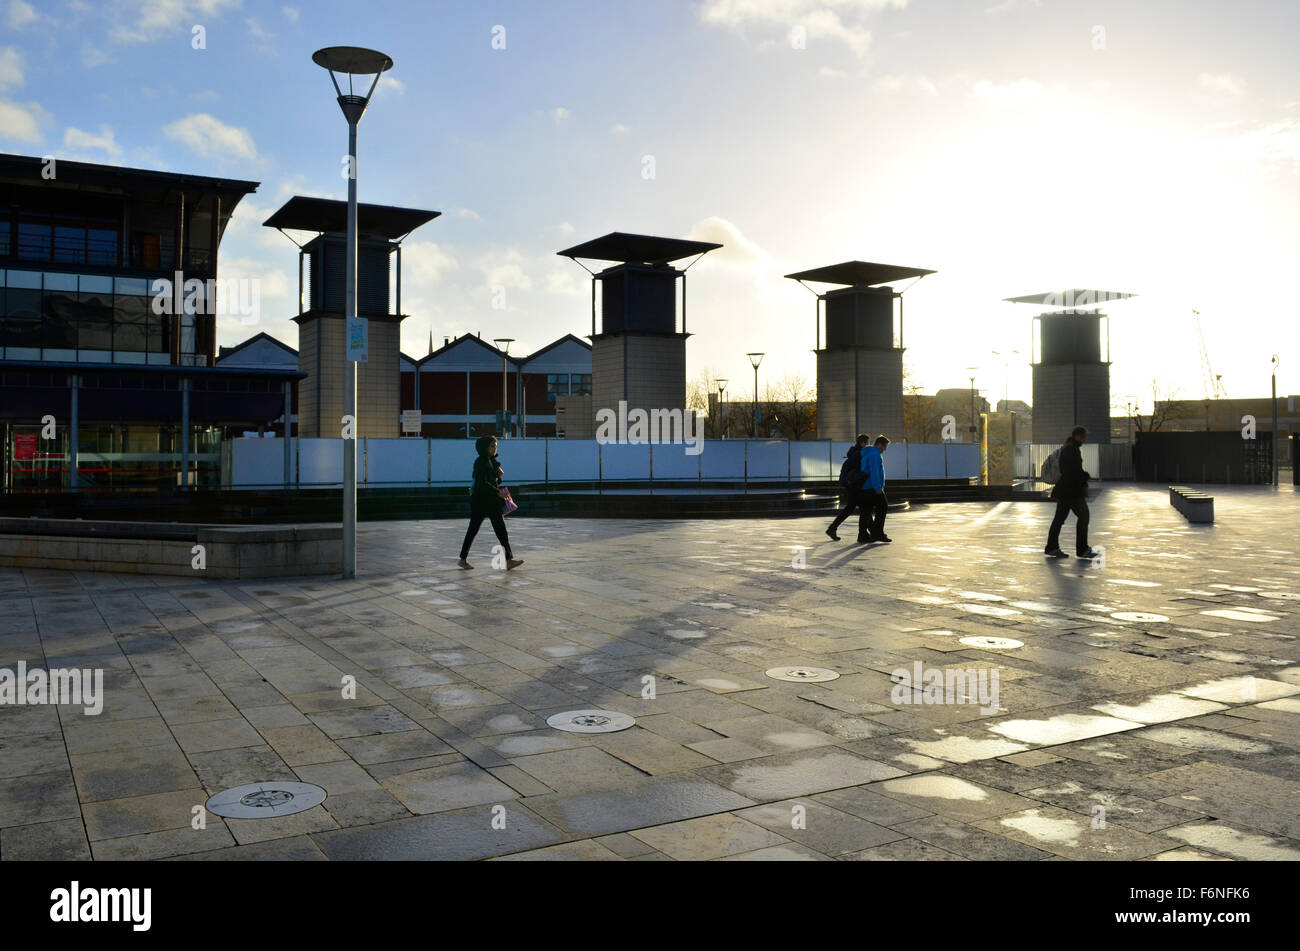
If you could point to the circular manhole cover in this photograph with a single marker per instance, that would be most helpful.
(590, 721)
(1138, 616)
(1280, 595)
(808, 675)
(992, 643)
(265, 800)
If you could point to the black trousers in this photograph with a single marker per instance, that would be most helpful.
(1079, 506)
(871, 523)
(852, 499)
(498, 526)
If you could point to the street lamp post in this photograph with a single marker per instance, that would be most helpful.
(755, 359)
(722, 388)
(1276, 363)
(352, 61)
(505, 404)
(1006, 377)
(973, 428)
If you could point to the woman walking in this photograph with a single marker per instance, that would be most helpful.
(487, 500)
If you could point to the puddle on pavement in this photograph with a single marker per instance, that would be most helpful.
(988, 610)
(1204, 740)
(937, 787)
(1240, 690)
(1143, 616)
(717, 683)
(979, 596)
(1255, 617)
(1045, 829)
(1160, 709)
(1065, 728)
(963, 749)
(1229, 841)
(685, 634)
(1135, 584)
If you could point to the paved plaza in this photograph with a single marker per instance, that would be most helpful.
(1147, 708)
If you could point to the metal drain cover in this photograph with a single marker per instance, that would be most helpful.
(1280, 595)
(590, 721)
(992, 643)
(265, 800)
(1138, 616)
(804, 675)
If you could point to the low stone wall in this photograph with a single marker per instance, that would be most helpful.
(232, 552)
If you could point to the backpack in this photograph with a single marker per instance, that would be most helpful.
(1051, 473)
(851, 473)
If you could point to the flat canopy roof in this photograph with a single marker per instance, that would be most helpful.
(116, 176)
(1074, 297)
(637, 249)
(859, 272)
(326, 215)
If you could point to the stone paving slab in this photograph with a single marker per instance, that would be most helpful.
(1184, 731)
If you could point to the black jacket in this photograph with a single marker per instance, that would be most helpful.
(1074, 478)
(483, 496)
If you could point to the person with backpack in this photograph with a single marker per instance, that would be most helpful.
(873, 493)
(1071, 495)
(487, 499)
(851, 479)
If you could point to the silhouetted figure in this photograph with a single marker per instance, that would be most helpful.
(851, 477)
(874, 504)
(1071, 495)
(487, 501)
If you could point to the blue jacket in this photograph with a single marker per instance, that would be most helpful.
(873, 464)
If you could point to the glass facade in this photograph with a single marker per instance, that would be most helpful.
(88, 318)
(139, 456)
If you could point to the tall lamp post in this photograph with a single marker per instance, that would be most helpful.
(973, 428)
(1276, 363)
(755, 359)
(352, 61)
(722, 388)
(503, 344)
(1006, 377)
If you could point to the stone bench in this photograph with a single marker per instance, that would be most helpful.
(1193, 505)
(231, 552)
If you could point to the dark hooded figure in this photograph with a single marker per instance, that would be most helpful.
(487, 500)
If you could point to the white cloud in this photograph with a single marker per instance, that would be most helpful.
(290, 14)
(736, 248)
(559, 114)
(1019, 92)
(138, 21)
(826, 72)
(389, 85)
(22, 122)
(817, 19)
(79, 140)
(1006, 6)
(424, 263)
(11, 68)
(469, 213)
(211, 138)
(258, 32)
(620, 129)
(565, 228)
(20, 14)
(93, 55)
(1221, 84)
(891, 83)
(1274, 146)
(564, 281)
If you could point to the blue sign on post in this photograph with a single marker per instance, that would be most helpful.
(758, 415)
(358, 339)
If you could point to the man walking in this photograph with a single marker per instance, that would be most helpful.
(1071, 495)
(873, 494)
(851, 476)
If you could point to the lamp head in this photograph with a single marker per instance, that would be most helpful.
(755, 358)
(353, 61)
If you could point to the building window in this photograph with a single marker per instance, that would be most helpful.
(33, 241)
(557, 384)
(582, 384)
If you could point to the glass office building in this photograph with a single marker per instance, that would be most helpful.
(109, 293)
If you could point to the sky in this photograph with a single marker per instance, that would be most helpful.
(1011, 146)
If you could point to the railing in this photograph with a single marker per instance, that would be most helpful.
(259, 463)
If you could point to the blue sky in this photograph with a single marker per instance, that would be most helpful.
(1012, 146)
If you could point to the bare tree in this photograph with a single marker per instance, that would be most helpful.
(794, 411)
(1162, 410)
(921, 421)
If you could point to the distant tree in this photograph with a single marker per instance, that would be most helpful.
(795, 407)
(1162, 410)
(921, 420)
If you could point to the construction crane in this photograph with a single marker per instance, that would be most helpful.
(1214, 388)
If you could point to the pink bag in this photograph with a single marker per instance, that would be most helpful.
(510, 503)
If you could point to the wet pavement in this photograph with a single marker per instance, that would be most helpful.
(990, 704)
